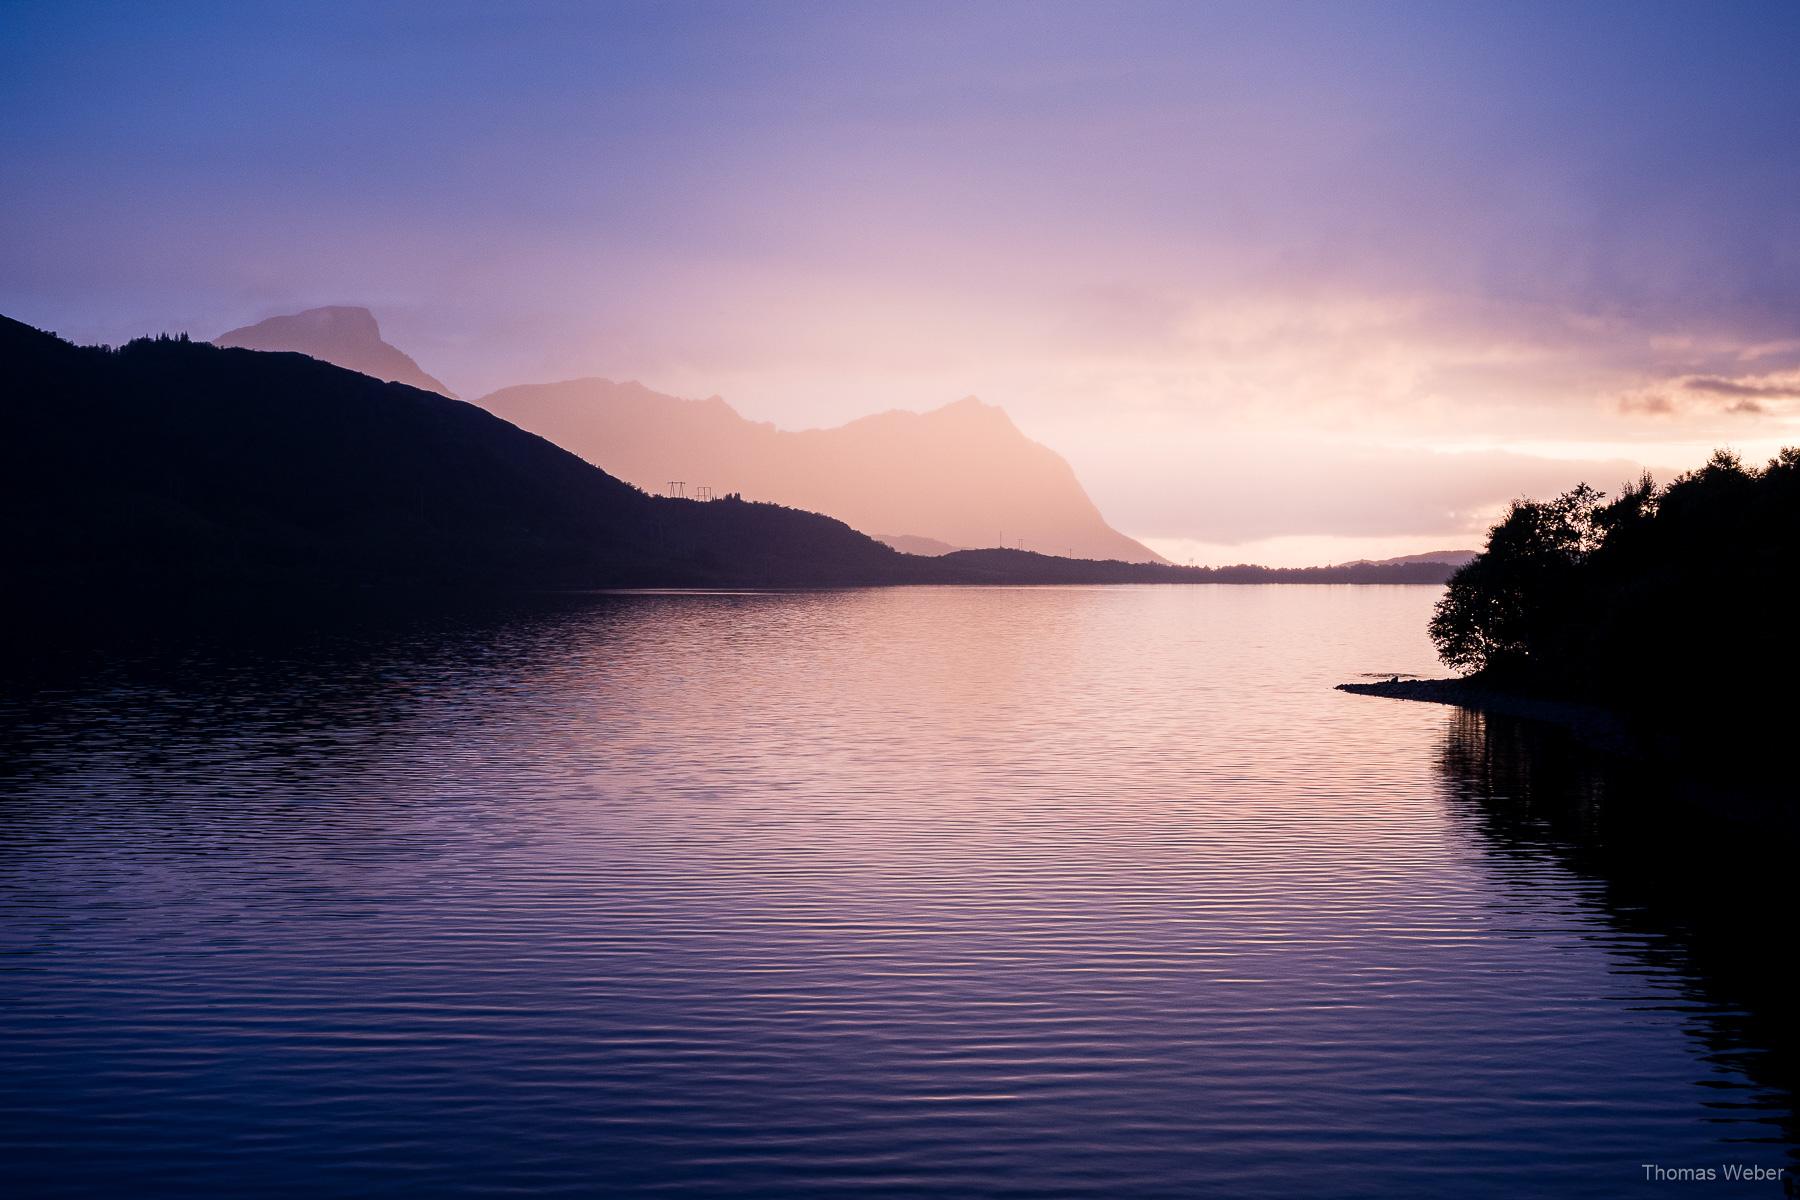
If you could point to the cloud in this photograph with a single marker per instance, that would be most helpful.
(1737, 387)
(1206, 258)
(1653, 403)
(1226, 488)
(1698, 396)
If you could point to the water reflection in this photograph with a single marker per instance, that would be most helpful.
(1696, 876)
(911, 892)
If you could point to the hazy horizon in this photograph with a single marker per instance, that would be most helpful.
(1283, 284)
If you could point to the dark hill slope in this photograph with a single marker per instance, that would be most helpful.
(167, 460)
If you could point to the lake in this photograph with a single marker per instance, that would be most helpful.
(921, 891)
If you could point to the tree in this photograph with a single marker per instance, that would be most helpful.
(1502, 610)
(1673, 605)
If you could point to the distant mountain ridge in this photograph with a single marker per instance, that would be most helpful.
(343, 335)
(169, 464)
(1450, 558)
(176, 463)
(960, 475)
(908, 543)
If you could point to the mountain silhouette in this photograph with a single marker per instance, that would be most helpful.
(961, 475)
(169, 464)
(1449, 558)
(345, 336)
(908, 543)
(175, 462)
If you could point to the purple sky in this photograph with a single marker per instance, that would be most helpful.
(1283, 282)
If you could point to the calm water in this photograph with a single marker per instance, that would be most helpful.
(1096, 892)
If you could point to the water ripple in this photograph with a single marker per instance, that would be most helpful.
(996, 892)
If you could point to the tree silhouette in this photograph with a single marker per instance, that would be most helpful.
(1674, 600)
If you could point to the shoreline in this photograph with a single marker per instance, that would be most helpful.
(1748, 795)
(1595, 726)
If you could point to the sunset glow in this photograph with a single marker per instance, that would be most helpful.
(1469, 253)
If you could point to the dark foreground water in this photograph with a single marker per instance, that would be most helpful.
(1096, 892)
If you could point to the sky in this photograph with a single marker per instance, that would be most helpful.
(1285, 283)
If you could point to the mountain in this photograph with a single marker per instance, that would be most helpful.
(170, 464)
(908, 543)
(181, 463)
(348, 337)
(962, 475)
(1024, 566)
(1450, 558)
